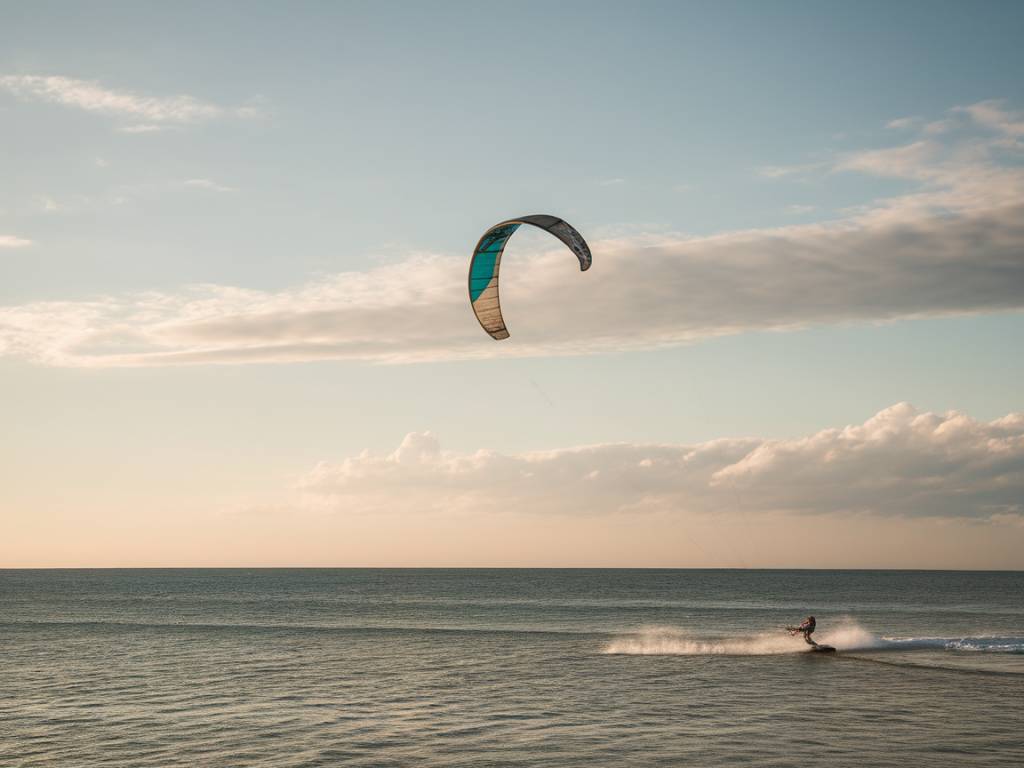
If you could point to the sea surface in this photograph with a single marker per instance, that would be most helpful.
(374, 667)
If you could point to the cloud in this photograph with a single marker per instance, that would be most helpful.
(908, 161)
(903, 123)
(147, 113)
(994, 115)
(10, 241)
(208, 184)
(903, 489)
(780, 171)
(938, 126)
(953, 244)
(901, 462)
(639, 295)
(799, 210)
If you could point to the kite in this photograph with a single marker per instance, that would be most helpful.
(486, 262)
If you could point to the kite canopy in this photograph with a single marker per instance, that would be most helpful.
(486, 261)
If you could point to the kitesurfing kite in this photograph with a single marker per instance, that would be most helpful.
(486, 261)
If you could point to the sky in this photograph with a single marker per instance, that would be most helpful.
(233, 321)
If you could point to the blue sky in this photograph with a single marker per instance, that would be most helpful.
(413, 125)
(801, 215)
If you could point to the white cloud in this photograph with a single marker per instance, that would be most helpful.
(909, 161)
(611, 182)
(208, 184)
(780, 171)
(938, 126)
(638, 295)
(903, 123)
(953, 245)
(901, 462)
(799, 210)
(10, 241)
(147, 113)
(994, 115)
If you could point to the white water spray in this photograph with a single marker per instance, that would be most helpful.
(848, 635)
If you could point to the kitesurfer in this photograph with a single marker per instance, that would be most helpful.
(806, 629)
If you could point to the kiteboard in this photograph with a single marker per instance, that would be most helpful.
(822, 649)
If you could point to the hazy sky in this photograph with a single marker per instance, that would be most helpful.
(233, 248)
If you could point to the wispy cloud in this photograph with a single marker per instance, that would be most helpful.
(903, 123)
(779, 171)
(994, 114)
(144, 113)
(953, 245)
(900, 462)
(910, 160)
(776, 171)
(938, 126)
(208, 184)
(799, 210)
(10, 241)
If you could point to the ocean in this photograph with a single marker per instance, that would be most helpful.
(380, 667)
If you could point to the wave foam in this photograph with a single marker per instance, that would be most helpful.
(983, 644)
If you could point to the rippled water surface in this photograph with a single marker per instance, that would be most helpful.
(509, 668)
